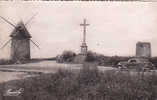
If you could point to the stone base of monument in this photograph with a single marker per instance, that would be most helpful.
(80, 59)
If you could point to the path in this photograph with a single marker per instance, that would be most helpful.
(18, 71)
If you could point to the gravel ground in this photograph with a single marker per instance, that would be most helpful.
(18, 71)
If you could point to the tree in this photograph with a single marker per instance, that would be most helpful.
(68, 56)
(91, 56)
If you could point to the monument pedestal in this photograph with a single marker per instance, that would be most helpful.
(84, 48)
(80, 58)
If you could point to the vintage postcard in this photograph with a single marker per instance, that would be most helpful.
(78, 50)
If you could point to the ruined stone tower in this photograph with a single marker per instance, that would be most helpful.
(20, 43)
(143, 49)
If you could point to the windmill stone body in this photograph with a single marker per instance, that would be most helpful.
(20, 43)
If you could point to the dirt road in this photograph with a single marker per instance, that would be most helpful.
(18, 71)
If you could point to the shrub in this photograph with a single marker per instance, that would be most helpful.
(100, 59)
(66, 56)
(154, 61)
(89, 74)
(5, 62)
(91, 56)
(104, 60)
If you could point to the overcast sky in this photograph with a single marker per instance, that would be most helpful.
(115, 27)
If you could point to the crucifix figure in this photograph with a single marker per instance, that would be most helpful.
(84, 46)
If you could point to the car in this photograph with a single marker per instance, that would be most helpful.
(136, 63)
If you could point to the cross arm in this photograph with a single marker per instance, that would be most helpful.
(84, 24)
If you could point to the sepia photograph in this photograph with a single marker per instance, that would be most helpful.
(78, 50)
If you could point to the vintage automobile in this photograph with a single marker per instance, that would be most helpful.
(136, 63)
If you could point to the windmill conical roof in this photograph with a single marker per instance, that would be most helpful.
(20, 31)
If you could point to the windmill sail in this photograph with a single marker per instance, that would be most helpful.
(8, 22)
(30, 19)
(5, 44)
(35, 44)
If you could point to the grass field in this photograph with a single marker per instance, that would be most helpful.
(88, 84)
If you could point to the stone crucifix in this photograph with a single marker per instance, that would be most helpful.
(84, 30)
(84, 46)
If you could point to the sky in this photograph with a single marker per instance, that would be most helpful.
(115, 27)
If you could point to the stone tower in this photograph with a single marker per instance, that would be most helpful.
(143, 49)
(20, 43)
(84, 47)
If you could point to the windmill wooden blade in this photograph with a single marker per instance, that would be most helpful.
(5, 44)
(30, 19)
(8, 22)
(35, 44)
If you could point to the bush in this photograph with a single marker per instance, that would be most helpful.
(5, 62)
(89, 74)
(154, 61)
(100, 59)
(91, 56)
(66, 56)
(104, 60)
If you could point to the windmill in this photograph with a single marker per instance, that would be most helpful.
(20, 41)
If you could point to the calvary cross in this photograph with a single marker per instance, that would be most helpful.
(84, 30)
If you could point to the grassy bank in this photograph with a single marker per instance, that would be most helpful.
(88, 84)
